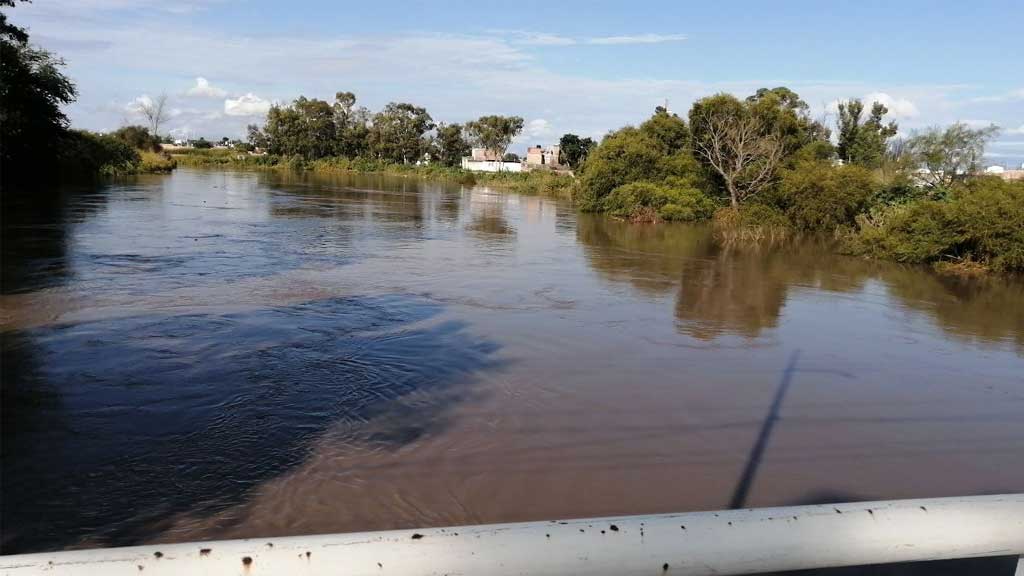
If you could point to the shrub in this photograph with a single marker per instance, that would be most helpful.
(981, 223)
(84, 153)
(623, 157)
(153, 162)
(753, 223)
(138, 137)
(817, 196)
(646, 201)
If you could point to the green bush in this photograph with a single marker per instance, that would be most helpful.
(981, 222)
(817, 196)
(669, 203)
(84, 153)
(623, 157)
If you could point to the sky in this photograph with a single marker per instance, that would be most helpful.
(564, 66)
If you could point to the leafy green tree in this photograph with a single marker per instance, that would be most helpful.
(668, 130)
(863, 141)
(138, 137)
(782, 112)
(32, 90)
(627, 155)
(202, 144)
(352, 125)
(742, 147)
(950, 155)
(305, 128)
(495, 133)
(450, 144)
(255, 137)
(573, 150)
(398, 132)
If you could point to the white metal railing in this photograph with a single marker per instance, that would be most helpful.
(726, 542)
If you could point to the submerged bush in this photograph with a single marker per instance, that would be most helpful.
(646, 201)
(752, 223)
(817, 196)
(981, 223)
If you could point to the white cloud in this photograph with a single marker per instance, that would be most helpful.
(204, 89)
(899, 108)
(541, 39)
(535, 132)
(137, 105)
(546, 39)
(1017, 130)
(246, 105)
(637, 39)
(1011, 96)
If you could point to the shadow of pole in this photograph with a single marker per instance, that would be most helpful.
(739, 495)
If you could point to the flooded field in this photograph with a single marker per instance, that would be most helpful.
(219, 355)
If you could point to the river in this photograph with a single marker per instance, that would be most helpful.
(228, 354)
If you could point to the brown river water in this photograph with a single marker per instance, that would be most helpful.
(214, 355)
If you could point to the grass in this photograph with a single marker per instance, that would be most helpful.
(536, 182)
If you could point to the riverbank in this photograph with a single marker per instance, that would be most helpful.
(537, 182)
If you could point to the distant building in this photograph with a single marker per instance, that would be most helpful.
(483, 155)
(483, 160)
(1005, 173)
(539, 156)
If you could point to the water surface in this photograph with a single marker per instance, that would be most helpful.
(219, 355)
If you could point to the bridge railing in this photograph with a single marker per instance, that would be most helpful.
(697, 543)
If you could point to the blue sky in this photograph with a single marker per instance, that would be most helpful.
(583, 67)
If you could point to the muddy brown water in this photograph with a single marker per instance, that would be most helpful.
(215, 355)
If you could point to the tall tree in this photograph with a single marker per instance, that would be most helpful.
(155, 111)
(451, 144)
(495, 133)
(949, 155)
(738, 145)
(32, 90)
(573, 150)
(863, 141)
(351, 125)
(398, 132)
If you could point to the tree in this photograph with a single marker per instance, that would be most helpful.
(397, 133)
(784, 113)
(137, 137)
(738, 145)
(32, 90)
(495, 133)
(155, 112)
(669, 130)
(255, 137)
(451, 144)
(304, 128)
(949, 155)
(864, 142)
(573, 150)
(351, 125)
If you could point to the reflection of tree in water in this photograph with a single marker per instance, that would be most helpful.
(488, 221)
(648, 258)
(731, 293)
(35, 229)
(743, 290)
(972, 309)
